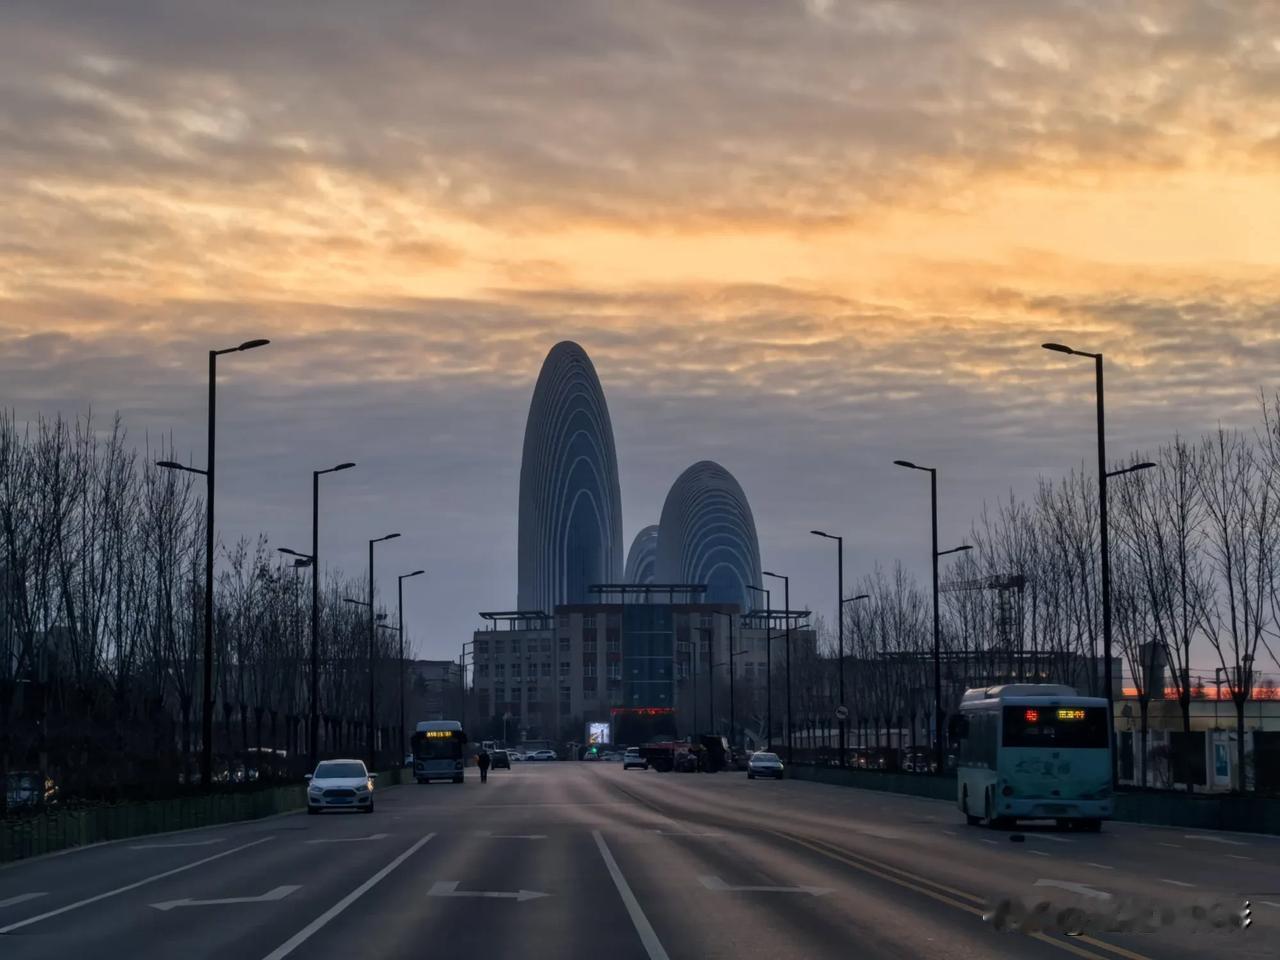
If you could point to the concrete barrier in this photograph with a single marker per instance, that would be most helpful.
(1158, 808)
(62, 829)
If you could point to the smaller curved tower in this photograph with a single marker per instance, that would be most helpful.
(642, 558)
(707, 535)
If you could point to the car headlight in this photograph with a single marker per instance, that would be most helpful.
(315, 788)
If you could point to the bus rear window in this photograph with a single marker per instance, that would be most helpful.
(1053, 726)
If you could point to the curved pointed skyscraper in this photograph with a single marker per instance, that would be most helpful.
(570, 535)
(642, 558)
(707, 535)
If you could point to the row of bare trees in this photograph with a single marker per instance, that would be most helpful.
(1195, 548)
(101, 645)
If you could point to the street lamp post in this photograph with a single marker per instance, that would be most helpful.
(786, 586)
(1104, 539)
(732, 654)
(400, 621)
(839, 626)
(768, 663)
(373, 741)
(313, 557)
(843, 738)
(206, 719)
(939, 758)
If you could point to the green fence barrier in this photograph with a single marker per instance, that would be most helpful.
(63, 829)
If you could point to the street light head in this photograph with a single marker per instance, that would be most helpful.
(301, 562)
(416, 573)
(358, 603)
(1057, 347)
(906, 463)
(343, 466)
(292, 553)
(1145, 465)
(963, 548)
(390, 536)
(171, 465)
(251, 344)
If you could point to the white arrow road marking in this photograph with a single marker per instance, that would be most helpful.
(1196, 836)
(24, 897)
(449, 888)
(130, 886)
(717, 885)
(1081, 888)
(278, 893)
(372, 836)
(185, 843)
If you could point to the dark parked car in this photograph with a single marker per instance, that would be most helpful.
(499, 760)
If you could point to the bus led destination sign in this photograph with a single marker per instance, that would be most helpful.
(439, 734)
(1076, 714)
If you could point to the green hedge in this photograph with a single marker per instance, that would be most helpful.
(62, 829)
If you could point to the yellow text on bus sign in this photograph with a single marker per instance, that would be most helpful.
(1070, 714)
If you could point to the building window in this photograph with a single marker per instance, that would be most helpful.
(499, 671)
(482, 648)
(588, 621)
(482, 669)
(589, 643)
(483, 701)
(546, 645)
(531, 690)
(563, 620)
(546, 669)
(515, 671)
(564, 644)
(589, 684)
(515, 647)
(497, 648)
(499, 695)
(564, 668)
(588, 668)
(566, 699)
(615, 671)
(613, 644)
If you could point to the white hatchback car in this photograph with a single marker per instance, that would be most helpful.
(340, 785)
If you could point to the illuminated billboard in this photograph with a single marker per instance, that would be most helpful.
(597, 733)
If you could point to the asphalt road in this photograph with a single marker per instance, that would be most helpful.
(580, 860)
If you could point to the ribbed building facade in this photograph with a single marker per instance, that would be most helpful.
(642, 558)
(707, 536)
(570, 527)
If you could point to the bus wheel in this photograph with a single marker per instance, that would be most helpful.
(1091, 826)
(969, 818)
(994, 822)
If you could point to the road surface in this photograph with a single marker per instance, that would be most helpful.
(584, 860)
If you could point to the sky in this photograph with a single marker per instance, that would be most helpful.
(802, 239)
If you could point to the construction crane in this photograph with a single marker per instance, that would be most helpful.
(1008, 587)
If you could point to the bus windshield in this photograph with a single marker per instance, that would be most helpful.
(446, 747)
(1059, 727)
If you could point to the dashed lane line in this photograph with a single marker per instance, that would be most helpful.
(1176, 883)
(301, 937)
(652, 945)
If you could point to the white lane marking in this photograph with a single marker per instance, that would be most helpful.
(1206, 839)
(449, 888)
(131, 886)
(21, 898)
(1270, 903)
(994, 843)
(301, 937)
(171, 846)
(1038, 853)
(1236, 856)
(1081, 888)
(1177, 883)
(1176, 846)
(652, 945)
(515, 836)
(1047, 836)
(372, 836)
(276, 893)
(1100, 866)
(949, 833)
(716, 885)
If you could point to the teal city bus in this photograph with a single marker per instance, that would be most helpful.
(1033, 751)
(439, 751)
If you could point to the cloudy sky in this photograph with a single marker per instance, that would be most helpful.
(800, 238)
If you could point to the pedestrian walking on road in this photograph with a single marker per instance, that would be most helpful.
(482, 761)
